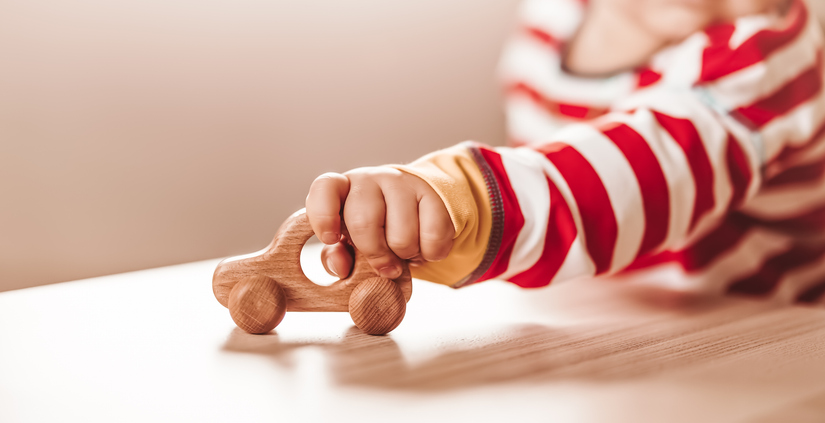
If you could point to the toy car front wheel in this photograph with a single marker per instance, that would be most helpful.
(377, 306)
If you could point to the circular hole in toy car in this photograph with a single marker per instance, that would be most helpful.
(311, 263)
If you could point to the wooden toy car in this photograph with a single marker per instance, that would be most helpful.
(259, 288)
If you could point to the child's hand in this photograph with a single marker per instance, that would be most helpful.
(388, 215)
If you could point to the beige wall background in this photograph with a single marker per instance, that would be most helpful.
(136, 134)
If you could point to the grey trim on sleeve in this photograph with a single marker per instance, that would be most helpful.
(497, 229)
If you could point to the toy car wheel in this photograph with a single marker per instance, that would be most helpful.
(377, 306)
(257, 304)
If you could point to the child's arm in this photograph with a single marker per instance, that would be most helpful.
(654, 177)
(590, 203)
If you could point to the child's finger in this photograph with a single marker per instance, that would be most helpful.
(401, 222)
(337, 259)
(364, 214)
(323, 203)
(437, 230)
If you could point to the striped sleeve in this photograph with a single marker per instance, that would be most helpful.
(608, 193)
(604, 194)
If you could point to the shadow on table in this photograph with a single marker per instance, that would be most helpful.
(702, 333)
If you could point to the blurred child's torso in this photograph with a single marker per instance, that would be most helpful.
(774, 243)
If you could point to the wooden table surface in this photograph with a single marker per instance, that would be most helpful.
(155, 345)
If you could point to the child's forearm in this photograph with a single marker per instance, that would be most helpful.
(597, 199)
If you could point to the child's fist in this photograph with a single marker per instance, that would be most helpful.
(388, 215)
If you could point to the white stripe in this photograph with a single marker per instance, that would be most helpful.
(674, 165)
(715, 138)
(746, 27)
(576, 264)
(528, 122)
(623, 190)
(764, 78)
(794, 128)
(681, 65)
(529, 61)
(815, 152)
(559, 18)
(753, 147)
(787, 201)
(524, 168)
(799, 280)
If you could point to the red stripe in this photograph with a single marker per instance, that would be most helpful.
(598, 220)
(685, 134)
(655, 196)
(577, 111)
(699, 255)
(719, 59)
(797, 175)
(715, 56)
(801, 89)
(561, 232)
(812, 295)
(513, 218)
(791, 152)
(806, 223)
(739, 170)
(647, 77)
(543, 37)
(765, 280)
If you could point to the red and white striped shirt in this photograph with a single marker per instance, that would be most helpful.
(704, 170)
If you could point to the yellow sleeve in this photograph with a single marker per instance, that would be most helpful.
(455, 176)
